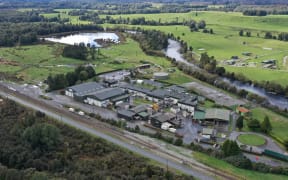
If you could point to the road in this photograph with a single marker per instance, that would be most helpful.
(270, 144)
(123, 139)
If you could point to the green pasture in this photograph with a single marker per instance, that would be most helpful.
(226, 42)
(63, 13)
(260, 74)
(233, 19)
(36, 62)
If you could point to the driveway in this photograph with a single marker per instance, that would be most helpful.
(270, 144)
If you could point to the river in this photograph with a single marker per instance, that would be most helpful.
(281, 102)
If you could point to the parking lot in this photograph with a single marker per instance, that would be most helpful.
(215, 95)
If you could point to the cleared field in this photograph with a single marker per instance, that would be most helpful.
(244, 174)
(226, 41)
(251, 139)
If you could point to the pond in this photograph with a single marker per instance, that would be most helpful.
(86, 38)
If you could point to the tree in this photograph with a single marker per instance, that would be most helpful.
(71, 78)
(137, 128)
(230, 148)
(83, 76)
(253, 124)
(241, 32)
(43, 136)
(205, 59)
(178, 142)
(220, 71)
(91, 72)
(248, 34)
(239, 123)
(286, 143)
(268, 35)
(202, 24)
(266, 126)
(93, 52)
(211, 31)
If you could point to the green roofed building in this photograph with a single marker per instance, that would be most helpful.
(199, 115)
(143, 115)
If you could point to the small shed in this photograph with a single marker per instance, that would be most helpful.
(208, 132)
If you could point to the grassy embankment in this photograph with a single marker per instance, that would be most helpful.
(245, 174)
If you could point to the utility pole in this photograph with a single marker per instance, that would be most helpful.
(166, 165)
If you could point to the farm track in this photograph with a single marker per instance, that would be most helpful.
(120, 134)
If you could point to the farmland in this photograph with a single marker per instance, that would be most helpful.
(226, 42)
(36, 62)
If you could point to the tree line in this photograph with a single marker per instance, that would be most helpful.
(283, 36)
(27, 33)
(37, 147)
(255, 12)
(152, 42)
(60, 81)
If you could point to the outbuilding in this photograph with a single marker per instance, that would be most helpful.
(107, 96)
(126, 114)
(78, 92)
(158, 119)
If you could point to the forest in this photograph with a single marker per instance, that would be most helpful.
(37, 147)
(26, 33)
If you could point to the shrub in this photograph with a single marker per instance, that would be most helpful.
(239, 161)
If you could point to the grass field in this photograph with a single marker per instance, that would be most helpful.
(278, 122)
(251, 139)
(226, 41)
(241, 173)
(36, 62)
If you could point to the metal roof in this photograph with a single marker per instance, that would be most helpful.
(200, 115)
(85, 88)
(143, 114)
(208, 131)
(177, 88)
(107, 93)
(140, 108)
(126, 113)
(218, 114)
(162, 117)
